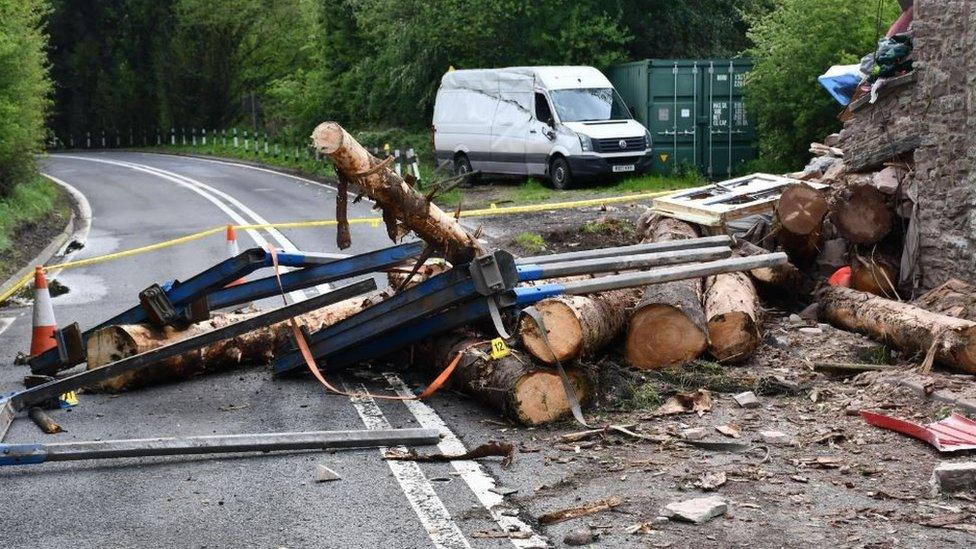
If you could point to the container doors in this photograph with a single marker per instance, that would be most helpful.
(729, 138)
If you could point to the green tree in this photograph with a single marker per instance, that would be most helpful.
(24, 88)
(794, 44)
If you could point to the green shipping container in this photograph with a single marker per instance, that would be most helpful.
(694, 110)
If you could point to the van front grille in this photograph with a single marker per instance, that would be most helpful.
(613, 144)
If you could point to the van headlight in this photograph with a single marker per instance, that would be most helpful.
(586, 142)
(647, 139)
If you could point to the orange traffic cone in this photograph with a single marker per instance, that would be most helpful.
(233, 249)
(42, 337)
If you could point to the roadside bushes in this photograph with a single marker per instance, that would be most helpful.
(24, 89)
(794, 44)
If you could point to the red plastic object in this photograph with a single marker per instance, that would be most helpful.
(841, 277)
(951, 434)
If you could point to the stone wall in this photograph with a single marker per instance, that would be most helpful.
(938, 112)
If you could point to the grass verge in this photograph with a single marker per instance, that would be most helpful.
(30, 216)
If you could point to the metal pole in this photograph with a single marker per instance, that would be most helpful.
(704, 242)
(674, 119)
(631, 262)
(28, 454)
(670, 274)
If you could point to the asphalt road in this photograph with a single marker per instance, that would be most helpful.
(243, 501)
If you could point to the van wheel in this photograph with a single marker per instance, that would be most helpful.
(559, 174)
(462, 165)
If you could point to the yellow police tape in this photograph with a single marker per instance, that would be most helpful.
(493, 210)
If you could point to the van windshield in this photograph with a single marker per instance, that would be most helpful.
(586, 104)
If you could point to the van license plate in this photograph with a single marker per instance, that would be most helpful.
(623, 168)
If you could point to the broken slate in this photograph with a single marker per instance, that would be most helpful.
(747, 399)
(324, 474)
(949, 477)
(775, 437)
(698, 510)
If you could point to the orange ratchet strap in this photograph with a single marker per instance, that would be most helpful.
(313, 367)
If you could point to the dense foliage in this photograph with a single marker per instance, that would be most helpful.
(282, 66)
(24, 88)
(794, 44)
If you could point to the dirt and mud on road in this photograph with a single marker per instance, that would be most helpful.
(799, 469)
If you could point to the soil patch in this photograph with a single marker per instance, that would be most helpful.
(32, 237)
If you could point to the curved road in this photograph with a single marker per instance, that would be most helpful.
(242, 501)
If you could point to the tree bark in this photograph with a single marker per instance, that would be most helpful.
(578, 326)
(861, 213)
(514, 386)
(908, 328)
(116, 342)
(397, 199)
(668, 326)
(732, 310)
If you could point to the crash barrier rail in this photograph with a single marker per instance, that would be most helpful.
(405, 159)
(491, 211)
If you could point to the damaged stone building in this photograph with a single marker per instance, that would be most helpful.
(926, 120)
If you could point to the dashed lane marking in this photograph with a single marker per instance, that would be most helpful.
(470, 471)
(436, 519)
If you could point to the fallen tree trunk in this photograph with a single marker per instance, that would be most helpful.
(906, 327)
(116, 342)
(399, 201)
(668, 326)
(732, 311)
(861, 213)
(578, 326)
(514, 385)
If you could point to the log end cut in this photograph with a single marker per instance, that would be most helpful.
(661, 335)
(563, 330)
(328, 137)
(732, 336)
(540, 398)
(801, 209)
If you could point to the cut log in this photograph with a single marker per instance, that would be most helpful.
(911, 329)
(732, 311)
(514, 386)
(578, 326)
(801, 209)
(398, 200)
(802, 249)
(861, 213)
(668, 326)
(116, 342)
(876, 274)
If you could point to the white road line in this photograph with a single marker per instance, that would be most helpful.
(435, 517)
(266, 170)
(208, 193)
(6, 322)
(470, 471)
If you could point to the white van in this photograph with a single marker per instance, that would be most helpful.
(565, 123)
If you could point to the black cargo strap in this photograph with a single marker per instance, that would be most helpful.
(574, 404)
(496, 318)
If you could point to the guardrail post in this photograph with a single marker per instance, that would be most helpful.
(265, 143)
(103, 139)
(182, 135)
(172, 136)
(204, 130)
(396, 162)
(235, 138)
(193, 137)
